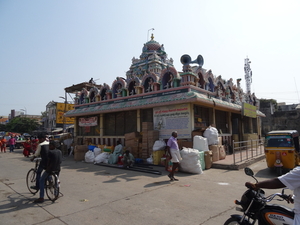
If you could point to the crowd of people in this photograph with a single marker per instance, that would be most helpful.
(10, 141)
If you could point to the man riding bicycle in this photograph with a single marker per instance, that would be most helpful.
(41, 151)
(54, 159)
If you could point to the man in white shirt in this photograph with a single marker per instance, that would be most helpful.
(42, 141)
(290, 180)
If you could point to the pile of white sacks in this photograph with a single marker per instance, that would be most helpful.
(193, 158)
(97, 156)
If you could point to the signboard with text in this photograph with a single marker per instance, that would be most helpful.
(88, 122)
(61, 108)
(171, 118)
(248, 110)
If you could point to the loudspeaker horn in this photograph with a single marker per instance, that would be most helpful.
(185, 59)
(200, 60)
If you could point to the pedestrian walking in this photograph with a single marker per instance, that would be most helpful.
(173, 150)
(27, 147)
(12, 143)
(3, 144)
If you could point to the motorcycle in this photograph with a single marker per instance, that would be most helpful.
(255, 207)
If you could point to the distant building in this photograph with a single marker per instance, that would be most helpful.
(279, 116)
(55, 120)
(3, 120)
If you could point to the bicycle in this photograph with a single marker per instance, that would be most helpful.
(52, 183)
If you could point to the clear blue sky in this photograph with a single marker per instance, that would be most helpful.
(49, 45)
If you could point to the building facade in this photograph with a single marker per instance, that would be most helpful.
(54, 120)
(154, 92)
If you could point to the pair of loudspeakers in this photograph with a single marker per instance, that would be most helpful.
(186, 59)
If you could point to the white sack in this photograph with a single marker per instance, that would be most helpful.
(150, 159)
(200, 143)
(97, 151)
(89, 156)
(190, 162)
(211, 133)
(159, 145)
(102, 157)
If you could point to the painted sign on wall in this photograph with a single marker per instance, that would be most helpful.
(172, 118)
(87, 122)
(248, 110)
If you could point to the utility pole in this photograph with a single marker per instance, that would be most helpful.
(65, 109)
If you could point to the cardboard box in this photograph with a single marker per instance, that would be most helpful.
(131, 143)
(132, 135)
(79, 152)
(215, 152)
(220, 141)
(208, 159)
(187, 144)
(222, 153)
(197, 132)
(147, 125)
(145, 145)
(153, 134)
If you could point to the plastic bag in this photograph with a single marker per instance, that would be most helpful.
(89, 156)
(211, 133)
(159, 145)
(190, 162)
(97, 151)
(150, 160)
(102, 157)
(200, 143)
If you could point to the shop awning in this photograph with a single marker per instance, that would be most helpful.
(57, 130)
(154, 101)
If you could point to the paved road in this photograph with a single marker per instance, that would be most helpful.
(95, 194)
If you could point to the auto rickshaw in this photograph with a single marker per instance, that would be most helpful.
(282, 150)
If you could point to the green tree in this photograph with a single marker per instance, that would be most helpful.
(44, 114)
(22, 125)
(2, 127)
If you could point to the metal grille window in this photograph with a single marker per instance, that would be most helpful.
(147, 115)
(222, 121)
(201, 117)
(254, 125)
(247, 125)
(120, 123)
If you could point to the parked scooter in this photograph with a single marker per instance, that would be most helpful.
(255, 207)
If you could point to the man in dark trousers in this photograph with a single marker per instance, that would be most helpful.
(41, 151)
(54, 159)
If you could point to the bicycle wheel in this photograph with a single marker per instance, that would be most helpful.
(31, 180)
(52, 187)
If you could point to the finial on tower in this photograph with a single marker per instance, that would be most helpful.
(152, 37)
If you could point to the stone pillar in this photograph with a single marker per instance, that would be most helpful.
(101, 125)
(138, 114)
